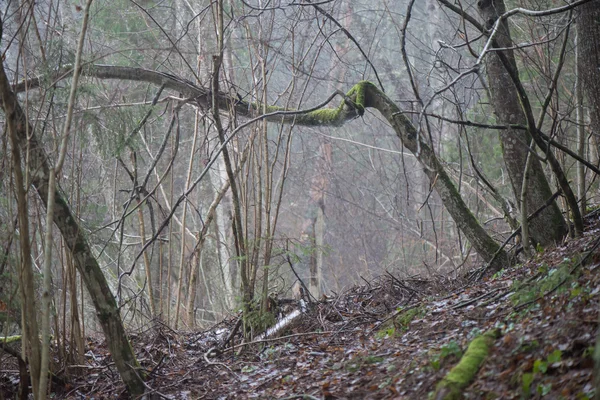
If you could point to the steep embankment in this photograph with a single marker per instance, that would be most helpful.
(529, 331)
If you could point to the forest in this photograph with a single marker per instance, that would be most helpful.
(299, 199)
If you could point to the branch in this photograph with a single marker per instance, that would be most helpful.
(519, 10)
(312, 116)
(349, 36)
(203, 96)
(363, 95)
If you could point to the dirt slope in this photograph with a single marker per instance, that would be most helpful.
(396, 339)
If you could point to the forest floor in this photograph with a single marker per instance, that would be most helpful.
(394, 339)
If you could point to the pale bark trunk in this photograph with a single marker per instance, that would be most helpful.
(182, 254)
(192, 287)
(147, 265)
(222, 239)
(320, 243)
(319, 185)
(31, 341)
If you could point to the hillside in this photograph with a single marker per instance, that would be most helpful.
(394, 339)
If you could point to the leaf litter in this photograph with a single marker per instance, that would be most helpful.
(391, 338)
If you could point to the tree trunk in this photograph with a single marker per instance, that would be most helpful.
(483, 244)
(588, 52)
(86, 263)
(315, 223)
(31, 342)
(580, 119)
(549, 227)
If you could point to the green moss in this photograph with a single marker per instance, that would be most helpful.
(404, 319)
(462, 374)
(401, 322)
(360, 89)
(10, 339)
(353, 104)
(270, 109)
(325, 115)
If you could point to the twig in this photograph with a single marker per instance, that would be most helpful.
(237, 325)
(399, 282)
(476, 299)
(496, 297)
(349, 36)
(220, 364)
(289, 260)
(11, 352)
(277, 338)
(396, 313)
(301, 396)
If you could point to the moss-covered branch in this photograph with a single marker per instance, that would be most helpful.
(362, 96)
(10, 339)
(459, 377)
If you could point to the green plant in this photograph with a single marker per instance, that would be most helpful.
(499, 274)
(387, 382)
(527, 380)
(450, 349)
(248, 369)
(389, 331)
(526, 346)
(401, 322)
(549, 279)
(555, 356)
(586, 396)
(255, 320)
(357, 362)
(539, 367)
(588, 352)
(543, 390)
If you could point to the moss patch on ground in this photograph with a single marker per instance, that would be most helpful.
(401, 323)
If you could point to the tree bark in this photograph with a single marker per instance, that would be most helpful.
(588, 52)
(550, 226)
(580, 120)
(86, 263)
